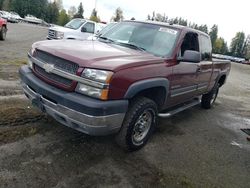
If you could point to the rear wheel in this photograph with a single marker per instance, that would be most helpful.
(138, 124)
(208, 99)
(3, 33)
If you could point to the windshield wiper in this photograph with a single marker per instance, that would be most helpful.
(133, 46)
(106, 39)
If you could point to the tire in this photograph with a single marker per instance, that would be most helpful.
(208, 99)
(138, 125)
(3, 33)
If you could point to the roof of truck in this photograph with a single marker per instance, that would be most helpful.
(180, 27)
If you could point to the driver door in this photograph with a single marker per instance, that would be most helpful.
(184, 80)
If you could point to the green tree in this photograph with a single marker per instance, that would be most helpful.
(203, 28)
(237, 44)
(220, 46)
(52, 13)
(118, 15)
(6, 5)
(94, 16)
(246, 48)
(1, 4)
(80, 11)
(213, 35)
(63, 18)
(247, 53)
(37, 8)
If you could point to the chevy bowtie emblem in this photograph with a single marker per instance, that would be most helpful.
(48, 67)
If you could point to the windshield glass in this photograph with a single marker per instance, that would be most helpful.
(75, 23)
(156, 39)
(106, 28)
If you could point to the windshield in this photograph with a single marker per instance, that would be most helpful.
(106, 28)
(75, 23)
(156, 39)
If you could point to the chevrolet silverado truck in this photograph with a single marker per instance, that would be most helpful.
(3, 28)
(77, 29)
(123, 82)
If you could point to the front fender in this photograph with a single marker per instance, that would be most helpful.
(147, 84)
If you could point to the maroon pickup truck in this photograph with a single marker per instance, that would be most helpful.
(122, 82)
(3, 28)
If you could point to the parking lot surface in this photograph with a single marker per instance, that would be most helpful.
(196, 148)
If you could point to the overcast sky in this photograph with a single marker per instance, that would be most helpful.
(231, 16)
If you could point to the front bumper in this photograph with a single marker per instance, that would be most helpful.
(85, 114)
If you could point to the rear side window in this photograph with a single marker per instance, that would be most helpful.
(206, 48)
(190, 42)
(89, 27)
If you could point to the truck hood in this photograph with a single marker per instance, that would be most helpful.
(96, 54)
(62, 29)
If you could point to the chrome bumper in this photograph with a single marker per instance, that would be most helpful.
(92, 125)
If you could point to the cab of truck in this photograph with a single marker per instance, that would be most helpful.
(77, 29)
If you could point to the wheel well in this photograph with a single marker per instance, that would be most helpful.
(157, 94)
(222, 80)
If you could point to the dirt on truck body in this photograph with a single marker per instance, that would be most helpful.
(122, 82)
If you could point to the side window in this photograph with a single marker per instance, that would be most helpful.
(89, 28)
(206, 48)
(190, 42)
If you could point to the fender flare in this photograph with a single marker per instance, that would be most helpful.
(219, 77)
(139, 86)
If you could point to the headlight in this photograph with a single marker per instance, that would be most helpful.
(59, 35)
(92, 91)
(97, 75)
(100, 76)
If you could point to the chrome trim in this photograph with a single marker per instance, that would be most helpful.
(182, 91)
(93, 125)
(182, 108)
(69, 75)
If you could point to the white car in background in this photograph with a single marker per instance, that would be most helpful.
(16, 16)
(78, 29)
(5, 15)
(32, 19)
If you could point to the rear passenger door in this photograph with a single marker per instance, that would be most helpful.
(185, 79)
(206, 64)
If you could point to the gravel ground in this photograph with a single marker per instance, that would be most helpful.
(196, 148)
(19, 39)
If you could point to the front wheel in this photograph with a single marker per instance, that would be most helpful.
(138, 124)
(3, 33)
(208, 99)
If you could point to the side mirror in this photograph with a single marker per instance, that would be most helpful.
(83, 29)
(191, 56)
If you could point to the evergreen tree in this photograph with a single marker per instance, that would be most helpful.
(80, 11)
(118, 15)
(94, 16)
(63, 18)
(213, 35)
(237, 44)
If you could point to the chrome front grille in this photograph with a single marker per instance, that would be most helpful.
(67, 66)
(59, 63)
(52, 34)
(53, 77)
